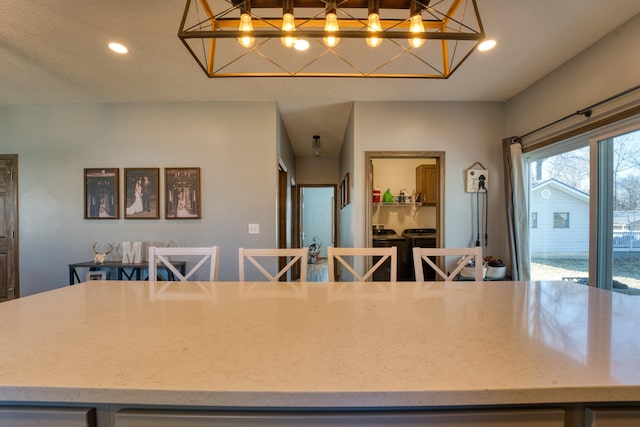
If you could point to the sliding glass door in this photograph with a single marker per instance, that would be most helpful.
(584, 211)
(618, 210)
(559, 194)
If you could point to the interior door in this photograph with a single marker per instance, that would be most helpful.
(9, 285)
(317, 217)
(283, 220)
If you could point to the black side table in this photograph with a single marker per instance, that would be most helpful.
(130, 271)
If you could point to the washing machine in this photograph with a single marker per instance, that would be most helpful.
(421, 238)
(385, 238)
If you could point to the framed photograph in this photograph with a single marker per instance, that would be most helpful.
(182, 193)
(141, 193)
(96, 275)
(344, 191)
(101, 187)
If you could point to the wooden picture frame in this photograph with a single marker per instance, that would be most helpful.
(345, 198)
(141, 196)
(182, 193)
(101, 193)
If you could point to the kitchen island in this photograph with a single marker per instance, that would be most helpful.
(552, 353)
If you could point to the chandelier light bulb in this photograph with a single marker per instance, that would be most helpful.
(330, 27)
(246, 26)
(374, 27)
(288, 24)
(416, 26)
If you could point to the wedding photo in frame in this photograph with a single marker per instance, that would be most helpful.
(101, 186)
(182, 193)
(141, 195)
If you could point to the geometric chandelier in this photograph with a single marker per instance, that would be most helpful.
(331, 38)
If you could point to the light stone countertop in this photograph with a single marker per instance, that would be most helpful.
(321, 345)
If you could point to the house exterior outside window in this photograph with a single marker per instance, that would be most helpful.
(534, 219)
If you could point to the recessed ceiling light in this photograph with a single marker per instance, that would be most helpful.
(487, 45)
(301, 44)
(118, 48)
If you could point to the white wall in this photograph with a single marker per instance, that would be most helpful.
(467, 132)
(55, 143)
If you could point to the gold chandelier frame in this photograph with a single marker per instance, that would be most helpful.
(211, 31)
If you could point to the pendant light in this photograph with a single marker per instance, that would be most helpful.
(373, 25)
(288, 23)
(416, 25)
(331, 25)
(245, 26)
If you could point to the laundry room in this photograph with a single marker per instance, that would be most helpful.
(405, 206)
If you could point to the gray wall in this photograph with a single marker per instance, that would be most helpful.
(55, 143)
(608, 67)
(287, 160)
(467, 132)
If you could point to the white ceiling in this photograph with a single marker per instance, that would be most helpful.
(55, 52)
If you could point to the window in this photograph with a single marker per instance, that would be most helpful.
(561, 220)
(559, 185)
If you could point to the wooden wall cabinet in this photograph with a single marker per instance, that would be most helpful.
(427, 184)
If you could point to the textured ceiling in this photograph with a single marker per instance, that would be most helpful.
(55, 52)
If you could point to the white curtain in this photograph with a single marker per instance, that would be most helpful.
(517, 211)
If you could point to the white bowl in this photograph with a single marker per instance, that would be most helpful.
(496, 272)
(469, 271)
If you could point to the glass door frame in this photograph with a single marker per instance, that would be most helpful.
(601, 205)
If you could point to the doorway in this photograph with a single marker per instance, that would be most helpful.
(433, 206)
(317, 225)
(408, 208)
(9, 272)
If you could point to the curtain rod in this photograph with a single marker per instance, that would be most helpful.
(587, 111)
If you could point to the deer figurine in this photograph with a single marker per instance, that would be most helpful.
(101, 258)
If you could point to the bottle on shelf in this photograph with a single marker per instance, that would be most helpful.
(388, 197)
(377, 195)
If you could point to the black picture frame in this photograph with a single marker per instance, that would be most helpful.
(101, 193)
(141, 195)
(182, 193)
(345, 198)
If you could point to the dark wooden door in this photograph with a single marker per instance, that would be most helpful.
(9, 285)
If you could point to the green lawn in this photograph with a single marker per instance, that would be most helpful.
(625, 270)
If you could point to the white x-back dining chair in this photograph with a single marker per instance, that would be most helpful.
(202, 254)
(464, 254)
(259, 257)
(360, 254)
